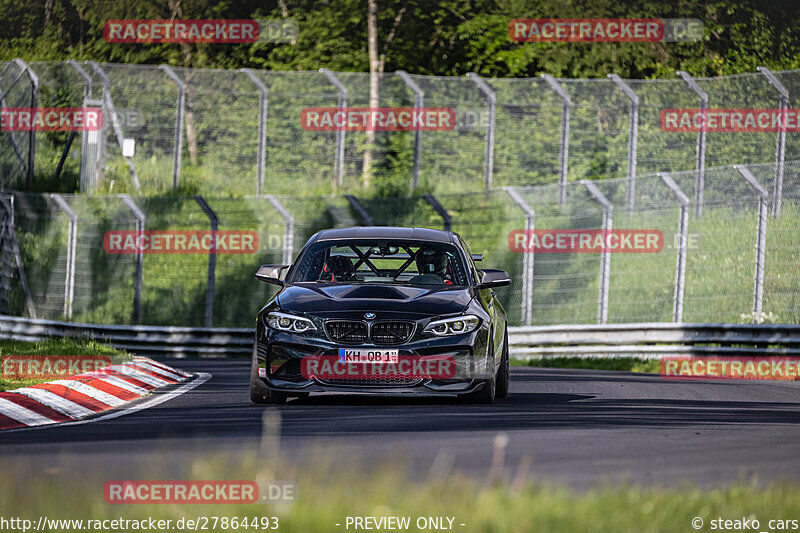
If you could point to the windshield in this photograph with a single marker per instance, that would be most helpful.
(387, 261)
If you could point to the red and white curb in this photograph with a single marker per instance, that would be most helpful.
(82, 395)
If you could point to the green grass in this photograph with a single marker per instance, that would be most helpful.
(67, 346)
(330, 490)
(624, 364)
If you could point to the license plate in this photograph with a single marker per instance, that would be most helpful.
(346, 355)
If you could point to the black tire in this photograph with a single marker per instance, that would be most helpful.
(259, 393)
(484, 396)
(266, 396)
(487, 394)
(501, 387)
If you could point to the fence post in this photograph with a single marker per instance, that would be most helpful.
(15, 146)
(680, 260)
(419, 102)
(700, 165)
(137, 279)
(109, 105)
(5, 271)
(261, 156)
(288, 229)
(87, 95)
(72, 237)
(563, 149)
(212, 260)
(181, 109)
(10, 233)
(341, 105)
(34, 99)
(87, 80)
(761, 237)
(527, 256)
(447, 220)
(633, 139)
(92, 154)
(360, 209)
(780, 151)
(488, 153)
(605, 256)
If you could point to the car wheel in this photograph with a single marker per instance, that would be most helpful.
(501, 390)
(267, 396)
(487, 393)
(259, 393)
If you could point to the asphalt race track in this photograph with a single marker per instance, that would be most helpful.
(577, 427)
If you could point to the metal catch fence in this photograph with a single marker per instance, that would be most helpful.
(733, 263)
(239, 132)
(226, 150)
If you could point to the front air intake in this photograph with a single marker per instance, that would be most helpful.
(346, 331)
(391, 332)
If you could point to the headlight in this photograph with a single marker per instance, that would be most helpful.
(453, 326)
(287, 322)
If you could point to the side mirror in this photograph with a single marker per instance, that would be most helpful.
(477, 257)
(271, 274)
(492, 277)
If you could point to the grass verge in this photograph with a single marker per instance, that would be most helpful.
(67, 346)
(624, 364)
(329, 493)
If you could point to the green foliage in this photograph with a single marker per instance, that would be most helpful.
(432, 37)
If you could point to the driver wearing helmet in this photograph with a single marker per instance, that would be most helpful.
(338, 268)
(432, 266)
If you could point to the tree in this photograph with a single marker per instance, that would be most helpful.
(374, 84)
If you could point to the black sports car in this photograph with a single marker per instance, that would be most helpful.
(382, 310)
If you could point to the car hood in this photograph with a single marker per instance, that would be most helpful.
(326, 300)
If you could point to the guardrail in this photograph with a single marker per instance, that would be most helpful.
(526, 342)
(144, 340)
(653, 339)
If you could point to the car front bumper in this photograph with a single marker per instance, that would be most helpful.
(278, 355)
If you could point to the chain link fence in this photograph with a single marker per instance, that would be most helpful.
(732, 263)
(19, 87)
(239, 132)
(226, 150)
